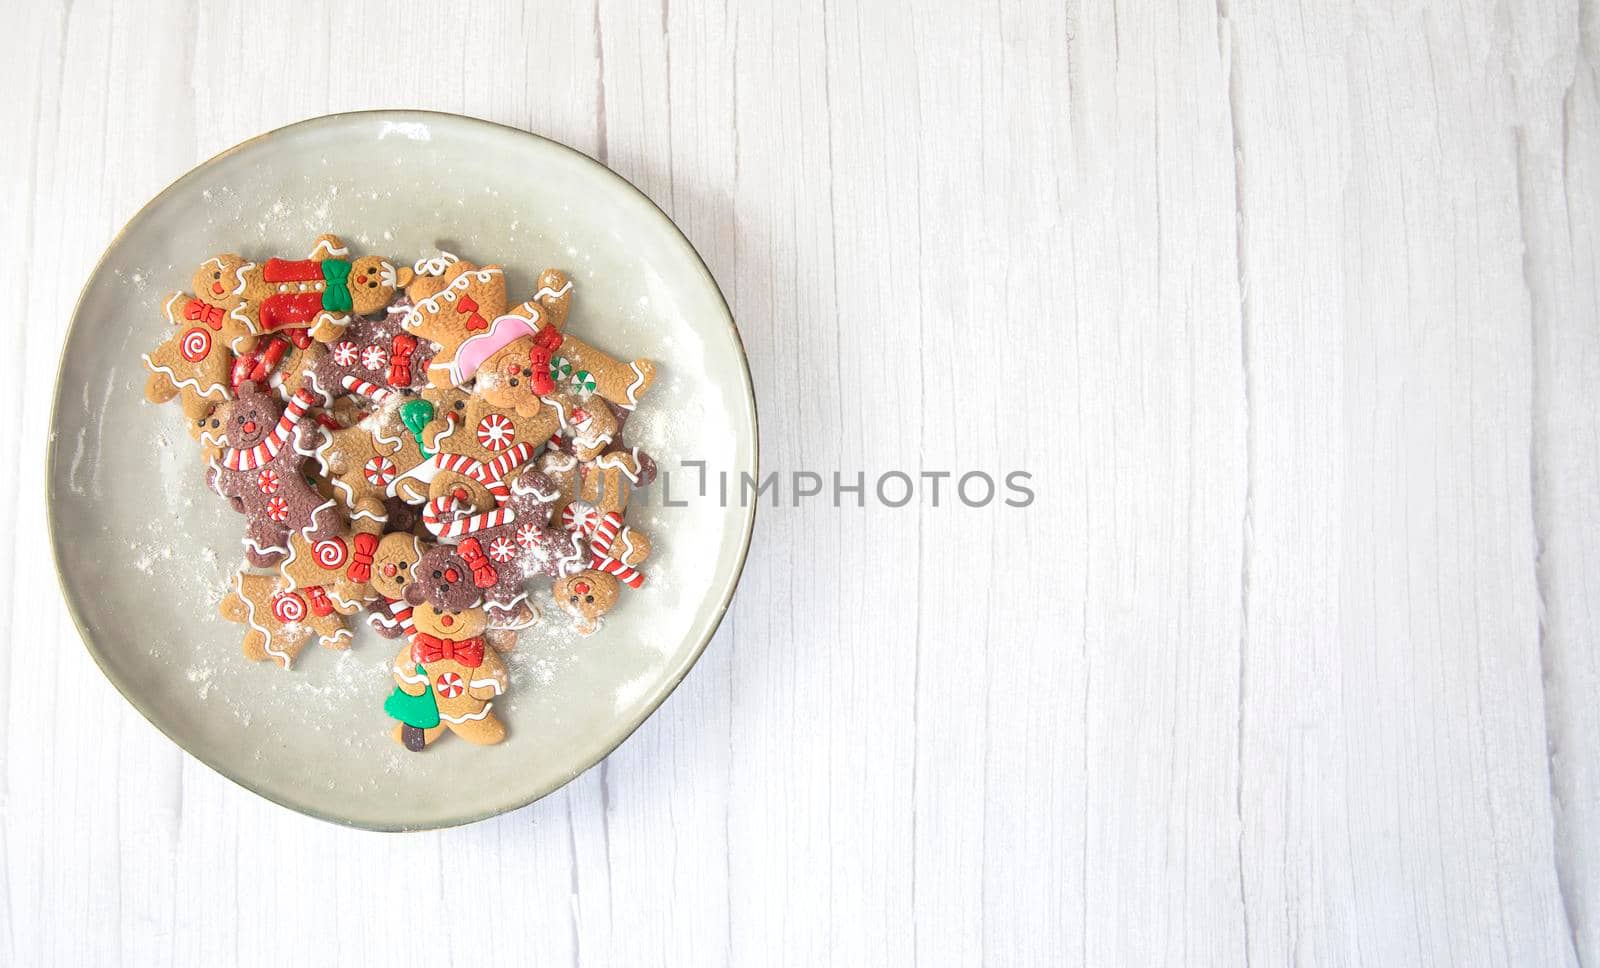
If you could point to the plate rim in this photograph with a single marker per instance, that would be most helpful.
(669, 686)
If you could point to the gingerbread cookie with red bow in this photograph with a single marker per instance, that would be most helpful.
(193, 363)
(338, 569)
(259, 473)
(320, 294)
(281, 621)
(447, 677)
(375, 358)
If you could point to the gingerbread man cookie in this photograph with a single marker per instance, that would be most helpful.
(376, 358)
(260, 474)
(371, 461)
(337, 570)
(392, 568)
(452, 305)
(587, 597)
(193, 363)
(474, 440)
(320, 293)
(281, 621)
(447, 677)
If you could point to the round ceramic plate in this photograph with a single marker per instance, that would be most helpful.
(146, 551)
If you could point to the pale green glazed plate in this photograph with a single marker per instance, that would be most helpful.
(145, 551)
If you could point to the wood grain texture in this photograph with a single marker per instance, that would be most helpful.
(1290, 310)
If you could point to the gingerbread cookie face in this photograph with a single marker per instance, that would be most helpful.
(211, 433)
(586, 597)
(192, 363)
(444, 579)
(280, 621)
(392, 566)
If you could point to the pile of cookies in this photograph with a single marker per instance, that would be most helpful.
(405, 442)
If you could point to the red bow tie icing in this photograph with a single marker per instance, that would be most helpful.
(200, 312)
(483, 573)
(319, 600)
(400, 359)
(366, 545)
(427, 648)
(544, 346)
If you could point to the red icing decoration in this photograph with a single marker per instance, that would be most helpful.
(483, 573)
(366, 547)
(320, 605)
(292, 270)
(199, 312)
(283, 310)
(400, 359)
(426, 648)
(195, 345)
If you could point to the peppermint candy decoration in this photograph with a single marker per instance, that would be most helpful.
(502, 549)
(288, 607)
(496, 432)
(267, 481)
(278, 509)
(560, 369)
(195, 345)
(449, 685)
(583, 382)
(379, 471)
(331, 552)
(528, 535)
(374, 357)
(344, 352)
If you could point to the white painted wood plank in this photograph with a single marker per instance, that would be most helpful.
(1558, 143)
(1393, 760)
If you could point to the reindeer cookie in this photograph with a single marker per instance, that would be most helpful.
(280, 621)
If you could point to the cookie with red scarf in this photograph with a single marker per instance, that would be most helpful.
(392, 569)
(321, 293)
(280, 621)
(447, 677)
(260, 474)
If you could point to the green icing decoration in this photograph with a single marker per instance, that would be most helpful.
(336, 294)
(416, 414)
(560, 369)
(583, 380)
(419, 711)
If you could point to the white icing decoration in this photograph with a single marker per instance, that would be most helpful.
(412, 678)
(337, 251)
(250, 619)
(494, 683)
(470, 716)
(194, 382)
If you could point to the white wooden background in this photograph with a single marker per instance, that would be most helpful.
(1291, 309)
